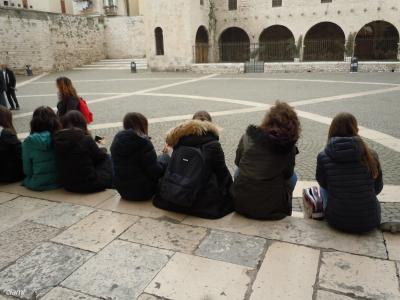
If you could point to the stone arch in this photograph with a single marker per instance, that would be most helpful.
(159, 38)
(201, 45)
(377, 40)
(276, 43)
(324, 41)
(234, 45)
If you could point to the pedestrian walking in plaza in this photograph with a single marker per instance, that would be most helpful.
(265, 179)
(39, 160)
(350, 177)
(83, 167)
(10, 149)
(11, 83)
(3, 88)
(136, 166)
(197, 181)
(67, 96)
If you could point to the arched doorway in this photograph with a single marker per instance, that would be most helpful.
(324, 42)
(159, 37)
(201, 46)
(276, 43)
(378, 40)
(234, 45)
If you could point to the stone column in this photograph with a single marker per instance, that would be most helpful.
(301, 56)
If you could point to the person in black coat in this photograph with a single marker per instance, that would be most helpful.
(68, 98)
(11, 83)
(10, 150)
(350, 177)
(83, 167)
(214, 199)
(3, 87)
(266, 157)
(136, 166)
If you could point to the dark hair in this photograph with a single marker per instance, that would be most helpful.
(346, 125)
(66, 88)
(137, 122)
(75, 119)
(45, 119)
(202, 115)
(6, 119)
(282, 120)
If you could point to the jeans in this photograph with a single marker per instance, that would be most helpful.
(324, 195)
(292, 180)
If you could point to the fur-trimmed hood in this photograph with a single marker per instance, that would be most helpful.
(191, 128)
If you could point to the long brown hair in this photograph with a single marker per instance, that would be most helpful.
(66, 88)
(346, 125)
(6, 119)
(137, 122)
(283, 120)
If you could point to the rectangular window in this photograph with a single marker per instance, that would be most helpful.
(276, 3)
(232, 4)
(5, 3)
(202, 2)
(326, 1)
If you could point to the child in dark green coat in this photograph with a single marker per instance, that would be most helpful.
(37, 151)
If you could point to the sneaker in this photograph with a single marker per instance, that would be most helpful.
(312, 203)
(18, 108)
(393, 227)
(12, 108)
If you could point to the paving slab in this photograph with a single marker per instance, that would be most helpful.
(19, 210)
(233, 248)
(392, 245)
(359, 276)
(21, 239)
(60, 293)
(141, 208)
(299, 231)
(42, 269)
(120, 271)
(4, 197)
(188, 277)
(62, 215)
(96, 230)
(164, 234)
(287, 272)
(59, 195)
(324, 295)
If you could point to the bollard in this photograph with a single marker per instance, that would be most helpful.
(133, 67)
(354, 65)
(29, 71)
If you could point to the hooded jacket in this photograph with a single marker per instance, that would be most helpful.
(39, 162)
(352, 203)
(136, 167)
(214, 199)
(82, 165)
(266, 163)
(10, 157)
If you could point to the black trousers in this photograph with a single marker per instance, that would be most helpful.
(3, 99)
(12, 98)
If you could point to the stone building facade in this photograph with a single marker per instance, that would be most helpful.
(192, 34)
(237, 30)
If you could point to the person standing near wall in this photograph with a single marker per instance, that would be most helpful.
(3, 88)
(11, 83)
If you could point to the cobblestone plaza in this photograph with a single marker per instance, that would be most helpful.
(58, 245)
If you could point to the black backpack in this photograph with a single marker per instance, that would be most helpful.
(185, 175)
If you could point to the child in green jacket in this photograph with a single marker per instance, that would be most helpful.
(37, 151)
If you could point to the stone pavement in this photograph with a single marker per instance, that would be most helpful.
(57, 245)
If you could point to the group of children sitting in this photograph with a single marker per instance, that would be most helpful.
(191, 176)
